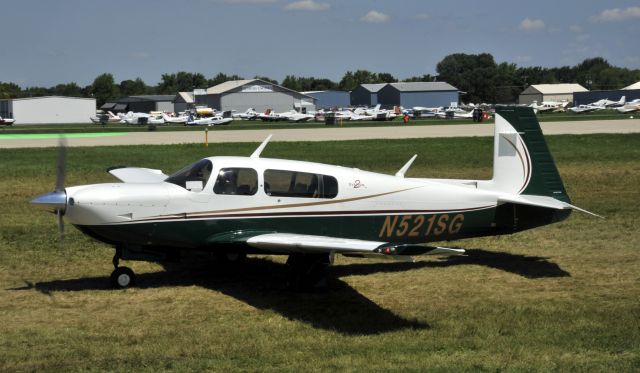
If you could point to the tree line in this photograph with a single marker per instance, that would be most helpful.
(478, 76)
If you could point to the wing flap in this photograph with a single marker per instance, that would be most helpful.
(302, 243)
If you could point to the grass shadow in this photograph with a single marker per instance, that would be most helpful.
(531, 267)
(260, 283)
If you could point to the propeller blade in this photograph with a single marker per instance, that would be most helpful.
(60, 225)
(61, 164)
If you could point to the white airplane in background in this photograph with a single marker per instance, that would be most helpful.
(377, 113)
(352, 116)
(249, 114)
(549, 106)
(610, 104)
(133, 118)
(271, 116)
(181, 119)
(6, 121)
(220, 118)
(294, 116)
(630, 106)
(107, 117)
(580, 109)
(457, 113)
(233, 206)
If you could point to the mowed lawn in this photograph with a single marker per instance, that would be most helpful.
(562, 297)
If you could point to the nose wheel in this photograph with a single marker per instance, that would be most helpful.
(121, 277)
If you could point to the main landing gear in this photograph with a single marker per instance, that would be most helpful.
(308, 272)
(121, 277)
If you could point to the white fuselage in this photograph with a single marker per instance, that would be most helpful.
(359, 192)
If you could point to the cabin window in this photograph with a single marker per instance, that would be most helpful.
(236, 181)
(282, 183)
(192, 177)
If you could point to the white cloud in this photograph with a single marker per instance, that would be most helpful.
(307, 5)
(531, 24)
(422, 16)
(617, 14)
(575, 28)
(375, 17)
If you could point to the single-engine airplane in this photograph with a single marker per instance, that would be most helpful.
(309, 211)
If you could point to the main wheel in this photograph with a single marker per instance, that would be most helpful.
(122, 277)
(232, 257)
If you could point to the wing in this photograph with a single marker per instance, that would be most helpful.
(137, 175)
(302, 243)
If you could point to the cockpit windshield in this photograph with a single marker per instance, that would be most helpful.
(192, 177)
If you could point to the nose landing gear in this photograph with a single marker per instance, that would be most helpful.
(121, 277)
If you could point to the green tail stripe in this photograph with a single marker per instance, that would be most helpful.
(545, 179)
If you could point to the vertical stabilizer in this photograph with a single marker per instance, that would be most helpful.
(522, 163)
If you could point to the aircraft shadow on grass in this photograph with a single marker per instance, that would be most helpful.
(260, 283)
(531, 267)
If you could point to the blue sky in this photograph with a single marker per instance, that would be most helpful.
(45, 42)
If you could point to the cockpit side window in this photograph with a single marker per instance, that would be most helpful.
(236, 181)
(192, 177)
(282, 183)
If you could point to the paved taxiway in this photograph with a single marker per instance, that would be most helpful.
(399, 131)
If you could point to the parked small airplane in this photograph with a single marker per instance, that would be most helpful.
(6, 121)
(133, 118)
(630, 106)
(310, 211)
(549, 106)
(610, 104)
(271, 116)
(585, 108)
(352, 116)
(294, 116)
(181, 119)
(102, 117)
(220, 118)
(249, 114)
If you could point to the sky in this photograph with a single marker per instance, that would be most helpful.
(46, 42)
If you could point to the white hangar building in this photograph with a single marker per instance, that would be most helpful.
(48, 109)
(550, 92)
(240, 95)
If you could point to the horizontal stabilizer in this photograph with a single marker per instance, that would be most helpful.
(138, 175)
(541, 201)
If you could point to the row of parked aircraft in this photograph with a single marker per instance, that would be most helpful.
(199, 117)
(205, 116)
(621, 106)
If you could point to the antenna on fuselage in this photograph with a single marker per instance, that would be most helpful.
(406, 166)
(256, 153)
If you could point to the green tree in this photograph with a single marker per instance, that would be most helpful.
(69, 89)
(104, 89)
(221, 78)
(134, 87)
(474, 74)
(10, 90)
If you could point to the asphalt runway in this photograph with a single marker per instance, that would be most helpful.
(400, 131)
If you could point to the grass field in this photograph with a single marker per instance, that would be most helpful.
(250, 125)
(562, 297)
